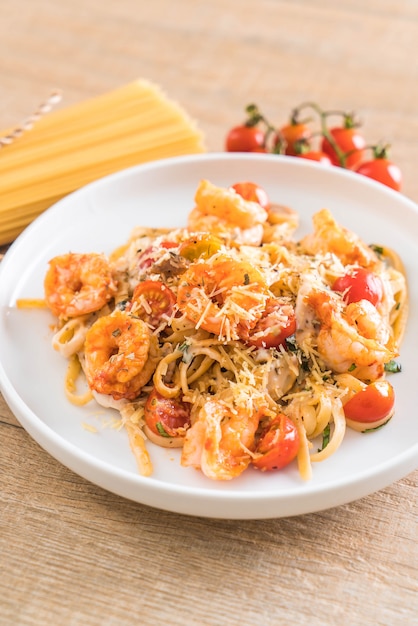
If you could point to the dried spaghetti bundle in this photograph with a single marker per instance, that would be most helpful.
(71, 147)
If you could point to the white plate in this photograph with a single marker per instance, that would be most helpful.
(100, 217)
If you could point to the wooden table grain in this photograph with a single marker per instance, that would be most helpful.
(74, 554)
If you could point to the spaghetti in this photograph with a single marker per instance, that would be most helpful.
(227, 337)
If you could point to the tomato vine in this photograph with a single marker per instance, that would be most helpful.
(331, 137)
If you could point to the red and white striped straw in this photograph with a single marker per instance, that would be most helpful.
(30, 121)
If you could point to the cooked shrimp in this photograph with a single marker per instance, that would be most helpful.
(228, 205)
(220, 441)
(76, 284)
(345, 340)
(368, 321)
(328, 236)
(224, 296)
(281, 223)
(120, 355)
(224, 212)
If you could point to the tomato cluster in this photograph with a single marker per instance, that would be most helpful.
(308, 135)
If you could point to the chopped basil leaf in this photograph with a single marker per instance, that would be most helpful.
(352, 367)
(161, 430)
(393, 367)
(370, 430)
(184, 347)
(306, 364)
(325, 437)
(122, 305)
(291, 343)
(378, 249)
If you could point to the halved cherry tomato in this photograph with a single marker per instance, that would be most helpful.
(372, 404)
(252, 192)
(351, 143)
(198, 246)
(245, 139)
(278, 444)
(150, 254)
(382, 170)
(277, 323)
(146, 258)
(360, 284)
(292, 134)
(167, 417)
(159, 300)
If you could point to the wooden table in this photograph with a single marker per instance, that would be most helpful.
(71, 553)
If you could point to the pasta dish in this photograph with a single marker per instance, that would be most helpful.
(249, 349)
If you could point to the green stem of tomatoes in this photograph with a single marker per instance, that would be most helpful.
(341, 156)
(381, 151)
(255, 116)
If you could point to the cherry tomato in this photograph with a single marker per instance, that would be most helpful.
(252, 192)
(278, 444)
(168, 244)
(202, 245)
(277, 323)
(360, 284)
(382, 170)
(168, 417)
(316, 155)
(245, 139)
(159, 298)
(146, 259)
(372, 404)
(351, 143)
(150, 254)
(293, 133)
